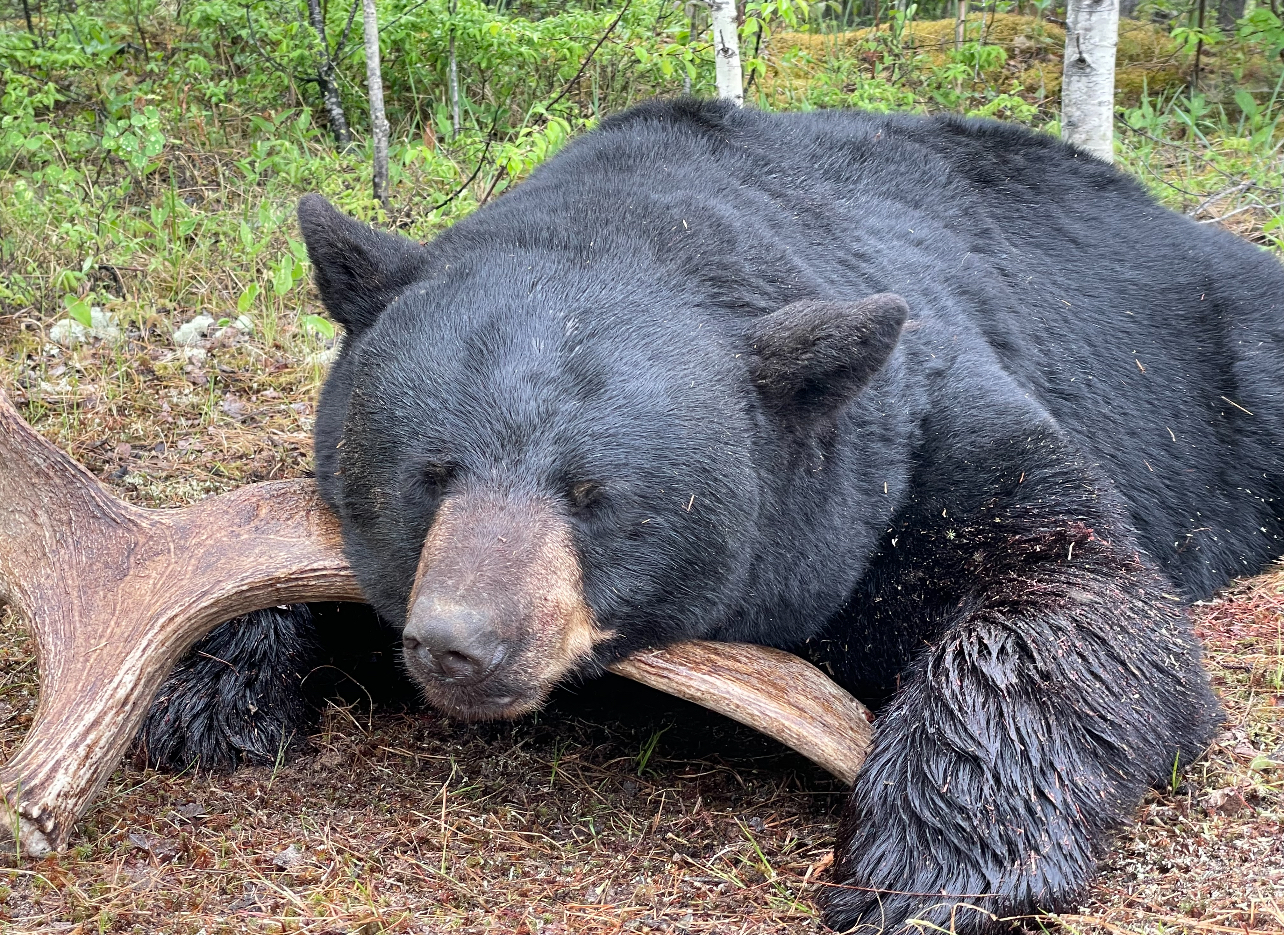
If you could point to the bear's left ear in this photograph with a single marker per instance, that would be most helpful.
(358, 270)
(811, 357)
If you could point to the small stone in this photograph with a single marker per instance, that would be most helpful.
(289, 858)
(323, 358)
(68, 332)
(244, 323)
(190, 334)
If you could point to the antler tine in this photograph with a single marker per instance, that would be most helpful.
(115, 595)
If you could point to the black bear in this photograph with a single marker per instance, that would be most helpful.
(946, 405)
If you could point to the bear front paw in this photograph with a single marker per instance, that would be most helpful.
(859, 904)
(236, 699)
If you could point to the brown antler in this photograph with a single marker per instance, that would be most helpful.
(116, 595)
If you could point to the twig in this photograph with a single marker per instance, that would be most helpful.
(585, 64)
(490, 139)
(269, 59)
(1212, 199)
(1231, 214)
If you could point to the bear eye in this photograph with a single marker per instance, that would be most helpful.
(585, 494)
(433, 477)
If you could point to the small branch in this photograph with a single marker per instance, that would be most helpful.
(1213, 199)
(249, 22)
(490, 139)
(585, 64)
(329, 92)
(1231, 214)
(347, 30)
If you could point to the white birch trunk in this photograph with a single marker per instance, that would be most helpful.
(1088, 79)
(452, 78)
(726, 50)
(374, 87)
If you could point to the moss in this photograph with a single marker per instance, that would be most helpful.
(1147, 56)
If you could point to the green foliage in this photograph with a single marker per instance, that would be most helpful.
(153, 153)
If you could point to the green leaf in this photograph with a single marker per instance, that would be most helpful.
(247, 298)
(282, 279)
(79, 311)
(319, 325)
(1246, 103)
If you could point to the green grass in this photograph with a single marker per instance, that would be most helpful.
(152, 157)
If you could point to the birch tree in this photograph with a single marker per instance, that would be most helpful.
(1088, 78)
(374, 85)
(726, 50)
(327, 81)
(452, 75)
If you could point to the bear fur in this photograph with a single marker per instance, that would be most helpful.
(948, 406)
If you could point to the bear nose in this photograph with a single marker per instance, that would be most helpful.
(453, 642)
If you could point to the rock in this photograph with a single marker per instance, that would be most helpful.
(68, 332)
(289, 858)
(323, 358)
(190, 334)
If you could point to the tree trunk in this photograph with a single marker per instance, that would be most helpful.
(1229, 13)
(726, 51)
(453, 79)
(378, 120)
(1088, 80)
(960, 24)
(329, 90)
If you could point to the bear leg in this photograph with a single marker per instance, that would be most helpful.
(237, 698)
(1019, 739)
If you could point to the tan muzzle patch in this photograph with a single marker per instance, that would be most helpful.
(510, 562)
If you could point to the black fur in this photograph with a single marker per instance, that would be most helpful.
(989, 516)
(250, 691)
(237, 699)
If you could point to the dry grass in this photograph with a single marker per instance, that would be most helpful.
(402, 821)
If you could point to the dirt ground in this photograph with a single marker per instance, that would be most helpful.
(615, 809)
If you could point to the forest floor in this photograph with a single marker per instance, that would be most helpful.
(616, 809)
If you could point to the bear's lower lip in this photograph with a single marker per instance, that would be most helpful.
(473, 703)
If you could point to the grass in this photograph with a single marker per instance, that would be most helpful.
(615, 809)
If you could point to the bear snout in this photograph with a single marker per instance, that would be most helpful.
(453, 642)
(497, 614)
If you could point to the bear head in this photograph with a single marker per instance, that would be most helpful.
(542, 463)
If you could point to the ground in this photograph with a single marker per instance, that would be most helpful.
(616, 809)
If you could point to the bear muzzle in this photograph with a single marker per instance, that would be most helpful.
(497, 614)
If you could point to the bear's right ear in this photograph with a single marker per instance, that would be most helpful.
(358, 270)
(813, 356)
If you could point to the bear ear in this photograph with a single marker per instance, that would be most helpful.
(358, 270)
(811, 357)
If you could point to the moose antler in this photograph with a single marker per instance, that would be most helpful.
(116, 594)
